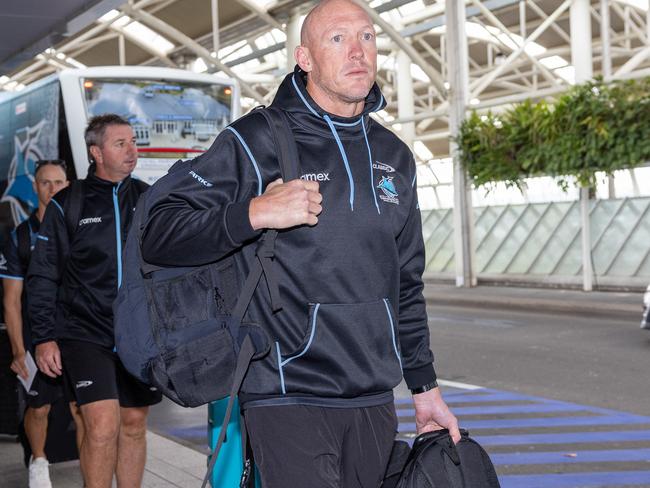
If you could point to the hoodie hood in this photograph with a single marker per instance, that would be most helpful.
(292, 97)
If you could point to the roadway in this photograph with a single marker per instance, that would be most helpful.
(559, 399)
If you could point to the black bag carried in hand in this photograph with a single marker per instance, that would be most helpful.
(435, 462)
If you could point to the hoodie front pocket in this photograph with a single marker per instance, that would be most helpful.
(349, 350)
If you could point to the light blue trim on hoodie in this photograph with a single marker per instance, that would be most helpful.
(250, 155)
(392, 333)
(311, 338)
(118, 233)
(56, 204)
(277, 348)
(302, 97)
(346, 124)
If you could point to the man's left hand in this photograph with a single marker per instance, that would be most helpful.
(432, 413)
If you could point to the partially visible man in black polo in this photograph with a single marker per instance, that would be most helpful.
(73, 329)
(49, 178)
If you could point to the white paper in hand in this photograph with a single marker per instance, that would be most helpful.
(32, 369)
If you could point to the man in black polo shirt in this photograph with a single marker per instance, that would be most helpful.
(49, 178)
(72, 282)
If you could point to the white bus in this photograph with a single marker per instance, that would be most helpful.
(175, 114)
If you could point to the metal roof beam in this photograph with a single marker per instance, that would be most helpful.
(261, 13)
(499, 25)
(481, 84)
(178, 36)
(143, 45)
(416, 57)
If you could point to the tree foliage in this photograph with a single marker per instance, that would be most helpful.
(592, 127)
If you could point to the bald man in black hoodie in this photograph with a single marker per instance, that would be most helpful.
(319, 406)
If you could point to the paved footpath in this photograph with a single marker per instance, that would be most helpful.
(169, 465)
(540, 443)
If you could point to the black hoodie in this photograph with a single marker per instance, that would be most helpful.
(353, 317)
(73, 280)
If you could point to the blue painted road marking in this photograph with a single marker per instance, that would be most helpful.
(575, 480)
(564, 438)
(537, 442)
(605, 456)
(534, 442)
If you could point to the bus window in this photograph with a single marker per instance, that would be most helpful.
(169, 116)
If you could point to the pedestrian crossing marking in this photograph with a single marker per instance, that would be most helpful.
(597, 440)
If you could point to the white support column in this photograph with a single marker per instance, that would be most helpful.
(606, 68)
(405, 103)
(122, 49)
(605, 39)
(293, 38)
(581, 52)
(458, 65)
(647, 25)
(581, 57)
(215, 26)
(443, 55)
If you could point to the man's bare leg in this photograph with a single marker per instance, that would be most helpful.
(36, 429)
(99, 445)
(132, 447)
(78, 422)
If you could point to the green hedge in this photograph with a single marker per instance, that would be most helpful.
(591, 127)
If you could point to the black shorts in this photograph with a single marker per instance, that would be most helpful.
(316, 447)
(94, 373)
(45, 391)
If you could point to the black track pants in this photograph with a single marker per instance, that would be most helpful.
(315, 447)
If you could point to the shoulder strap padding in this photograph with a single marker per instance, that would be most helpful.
(73, 206)
(24, 243)
(285, 143)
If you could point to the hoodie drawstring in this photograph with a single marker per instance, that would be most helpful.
(372, 174)
(345, 158)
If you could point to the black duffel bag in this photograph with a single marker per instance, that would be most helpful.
(435, 462)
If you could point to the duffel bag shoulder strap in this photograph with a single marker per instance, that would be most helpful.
(73, 206)
(24, 243)
(289, 161)
(285, 144)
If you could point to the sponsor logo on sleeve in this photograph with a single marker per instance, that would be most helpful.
(200, 179)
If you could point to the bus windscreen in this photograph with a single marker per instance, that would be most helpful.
(170, 119)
